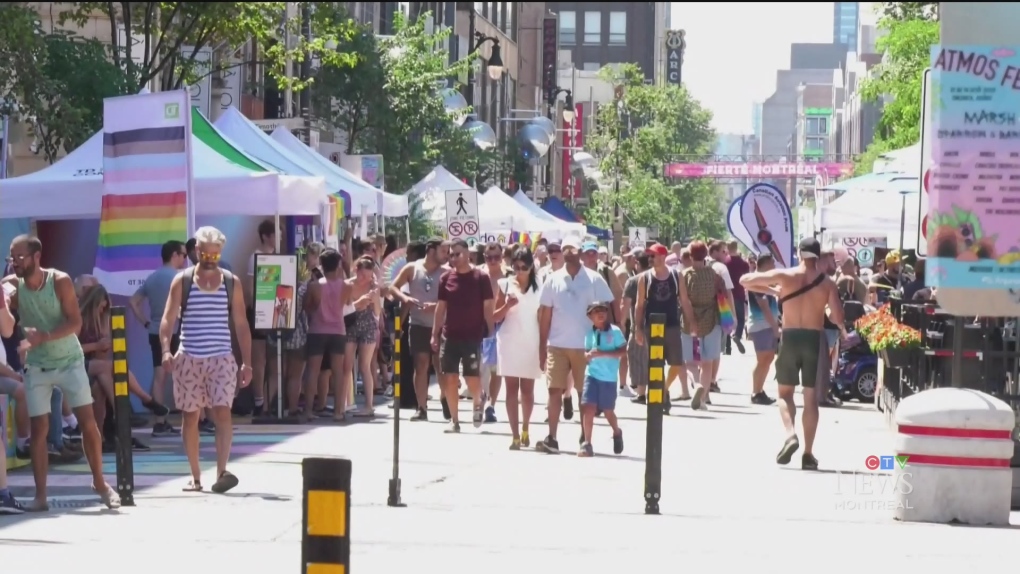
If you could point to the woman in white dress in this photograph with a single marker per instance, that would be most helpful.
(517, 343)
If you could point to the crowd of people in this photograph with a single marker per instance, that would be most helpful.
(497, 317)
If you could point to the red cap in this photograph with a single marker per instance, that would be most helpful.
(657, 249)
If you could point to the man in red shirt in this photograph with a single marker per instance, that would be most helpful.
(463, 319)
(737, 268)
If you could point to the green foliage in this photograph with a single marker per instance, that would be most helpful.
(910, 10)
(634, 139)
(898, 81)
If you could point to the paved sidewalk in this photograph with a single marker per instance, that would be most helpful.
(473, 504)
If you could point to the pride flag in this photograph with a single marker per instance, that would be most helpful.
(146, 185)
(528, 239)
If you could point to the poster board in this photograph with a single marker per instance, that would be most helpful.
(276, 279)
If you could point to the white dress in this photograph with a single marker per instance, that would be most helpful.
(517, 338)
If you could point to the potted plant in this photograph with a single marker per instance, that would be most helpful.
(893, 341)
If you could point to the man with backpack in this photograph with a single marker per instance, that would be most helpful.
(210, 304)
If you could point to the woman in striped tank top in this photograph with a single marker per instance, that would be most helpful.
(204, 369)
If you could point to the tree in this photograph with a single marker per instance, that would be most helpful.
(910, 10)
(635, 137)
(897, 82)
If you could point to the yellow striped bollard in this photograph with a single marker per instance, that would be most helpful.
(326, 516)
(393, 498)
(122, 412)
(653, 427)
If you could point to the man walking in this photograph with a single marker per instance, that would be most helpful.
(463, 317)
(421, 296)
(491, 381)
(737, 268)
(830, 347)
(155, 290)
(804, 292)
(210, 304)
(49, 314)
(763, 330)
(716, 256)
(563, 324)
(267, 245)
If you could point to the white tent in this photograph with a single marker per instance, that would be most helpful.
(362, 194)
(496, 201)
(906, 160)
(430, 193)
(72, 188)
(544, 215)
(873, 214)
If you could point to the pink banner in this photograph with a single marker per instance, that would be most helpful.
(775, 169)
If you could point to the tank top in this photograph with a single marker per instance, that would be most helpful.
(205, 326)
(661, 296)
(424, 287)
(41, 310)
(328, 319)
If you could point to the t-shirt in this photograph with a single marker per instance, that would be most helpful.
(721, 270)
(569, 298)
(156, 289)
(465, 295)
(737, 268)
(604, 369)
(756, 317)
(630, 292)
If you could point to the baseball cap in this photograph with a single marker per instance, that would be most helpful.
(657, 249)
(810, 248)
(596, 306)
(572, 243)
(589, 246)
(892, 258)
(604, 249)
(636, 252)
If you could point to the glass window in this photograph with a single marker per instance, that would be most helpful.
(814, 144)
(617, 28)
(817, 126)
(593, 28)
(568, 28)
(592, 66)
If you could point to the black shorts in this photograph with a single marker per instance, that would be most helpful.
(255, 335)
(320, 345)
(157, 348)
(461, 356)
(419, 340)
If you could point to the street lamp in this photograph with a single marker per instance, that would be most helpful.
(495, 63)
(569, 112)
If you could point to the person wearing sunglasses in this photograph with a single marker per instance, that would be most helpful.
(492, 383)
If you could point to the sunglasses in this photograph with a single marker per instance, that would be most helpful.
(553, 250)
(209, 257)
(521, 268)
(428, 283)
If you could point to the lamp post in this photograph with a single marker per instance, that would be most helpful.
(569, 111)
(494, 66)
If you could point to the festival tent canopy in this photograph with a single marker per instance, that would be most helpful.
(573, 228)
(906, 160)
(496, 201)
(873, 214)
(558, 209)
(430, 192)
(363, 195)
(72, 188)
(867, 182)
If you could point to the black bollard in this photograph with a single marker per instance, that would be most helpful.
(393, 499)
(326, 516)
(653, 428)
(122, 409)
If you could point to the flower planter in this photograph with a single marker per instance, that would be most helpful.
(896, 358)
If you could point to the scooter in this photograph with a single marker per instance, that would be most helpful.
(856, 374)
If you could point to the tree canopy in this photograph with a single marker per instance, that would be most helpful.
(646, 128)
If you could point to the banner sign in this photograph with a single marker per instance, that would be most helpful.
(275, 292)
(147, 185)
(737, 229)
(774, 170)
(766, 215)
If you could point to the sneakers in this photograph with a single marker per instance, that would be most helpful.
(446, 408)
(762, 399)
(618, 442)
(625, 392)
(72, 434)
(715, 387)
(568, 408)
(739, 344)
(639, 400)
(454, 428)
(139, 446)
(160, 430)
(420, 415)
(477, 416)
(157, 408)
(586, 450)
(490, 414)
(548, 445)
(8, 505)
(698, 401)
(206, 427)
(63, 455)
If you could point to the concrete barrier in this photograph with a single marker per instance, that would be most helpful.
(953, 449)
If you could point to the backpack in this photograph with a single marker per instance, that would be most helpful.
(244, 402)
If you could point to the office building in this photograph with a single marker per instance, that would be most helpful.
(601, 33)
(846, 19)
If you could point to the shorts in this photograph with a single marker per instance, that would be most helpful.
(461, 356)
(637, 363)
(710, 345)
(602, 394)
(419, 339)
(8, 386)
(673, 348)
(157, 348)
(204, 382)
(799, 354)
(73, 382)
(255, 335)
(321, 345)
(764, 341)
(565, 366)
(832, 338)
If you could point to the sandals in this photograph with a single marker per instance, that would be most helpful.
(515, 444)
(224, 483)
(193, 486)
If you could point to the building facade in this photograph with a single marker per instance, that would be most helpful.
(846, 19)
(601, 33)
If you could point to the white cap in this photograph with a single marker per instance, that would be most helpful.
(572, 242)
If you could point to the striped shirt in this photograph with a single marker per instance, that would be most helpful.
(205, 326)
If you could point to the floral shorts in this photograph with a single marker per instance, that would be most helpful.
(204, 382)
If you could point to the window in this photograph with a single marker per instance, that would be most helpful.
(814, 144)
(817, 126)
(593, 28)
(618, 28)
(568, 28)
(591, 66)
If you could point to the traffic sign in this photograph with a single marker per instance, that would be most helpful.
(462, 215)
(866, 256)
(638, 236)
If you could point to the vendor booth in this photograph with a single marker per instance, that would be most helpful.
(555, 207)
(543, 215)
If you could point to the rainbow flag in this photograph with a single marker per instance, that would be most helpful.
(528, 239)
(726, 318)
(146, 185)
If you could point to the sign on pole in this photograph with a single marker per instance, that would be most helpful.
(926, 140)
(462, 216)
(638, 236)
(676, 43)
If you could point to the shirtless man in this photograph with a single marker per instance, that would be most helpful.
(804, 292)
(494, 269)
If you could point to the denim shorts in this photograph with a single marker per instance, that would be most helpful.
(602, 394)
(72, 381)
(711, 345)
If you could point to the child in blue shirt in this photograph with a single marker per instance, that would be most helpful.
(604, 346)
